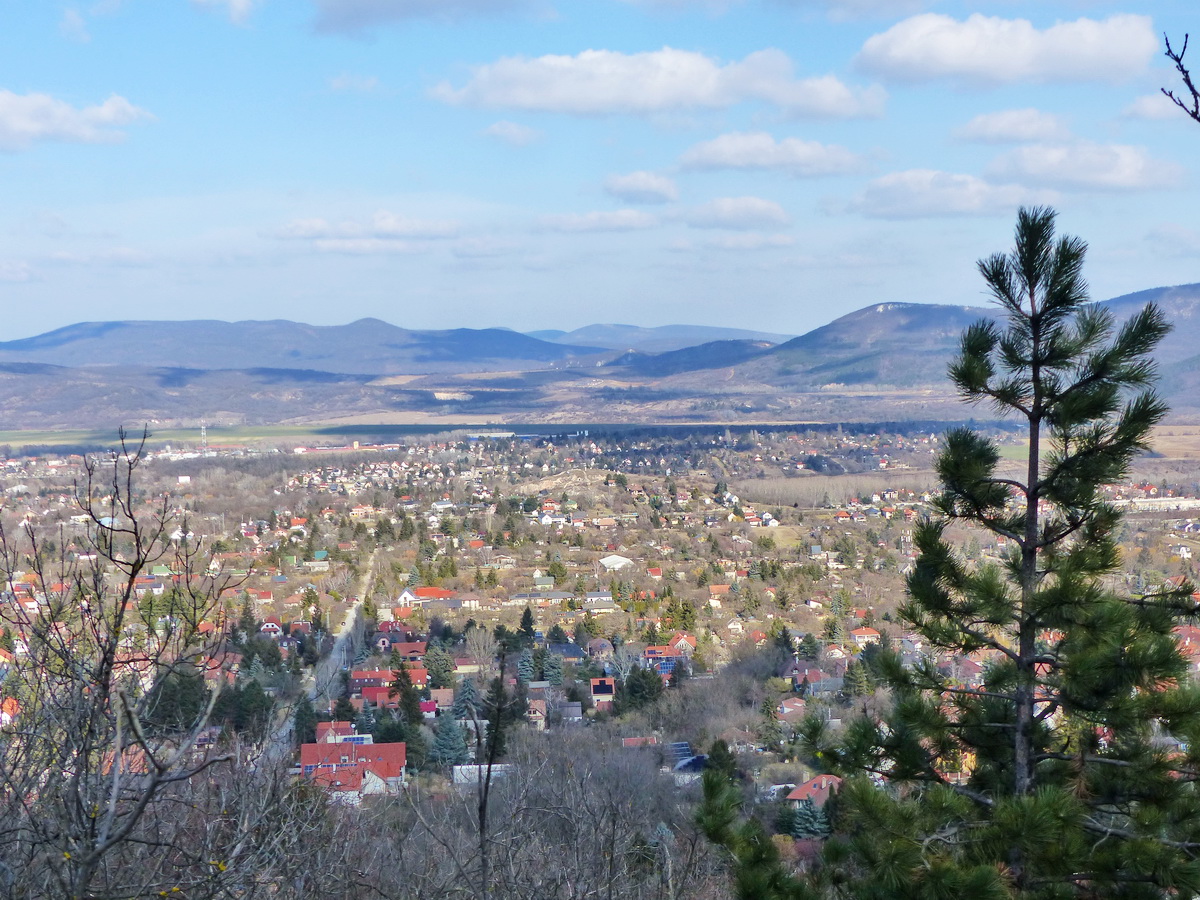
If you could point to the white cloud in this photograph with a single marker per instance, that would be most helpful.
(1014, 126)
(359, 15)
(362, 84)
(512, 133)
(483, 248)
(607, 81)
(15, 272)
(383, 226)
(641, 187)
(991, 50)
(750, 241)
(739, 213)
(367, 246)
(1156, 106)
(925, 193)
(237, 10)
(1083, 164)
(1175, 240)
(710, 5)
(120, 257)
(73, 27)
(860, 9)
(759, 150)
(615, 220)
(27, 118)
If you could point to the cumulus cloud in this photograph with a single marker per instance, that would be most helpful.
(641, 187)
(353, 16)
(1155, 106)
(73, 27)
(607, 81)
(926, 193)
(28, 118)
(759, 150)
(362, 84)
(383, 226)
(992, 50)
(614, 220)
(1014, 126)
(738, 213)
(237, 10)
(512, 133)
(1083, 164)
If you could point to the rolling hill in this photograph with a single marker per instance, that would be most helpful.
(884, 362)
(366, 347)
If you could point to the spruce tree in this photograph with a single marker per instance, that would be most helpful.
(526, 629)
(525, 667)
(466, 701)
(403, 690)
(440, 665)
(1068, 771)
(450, 745)
(553, 669)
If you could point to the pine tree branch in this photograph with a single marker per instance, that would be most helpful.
(1110, 831)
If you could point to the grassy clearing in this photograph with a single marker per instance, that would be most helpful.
(180, 436)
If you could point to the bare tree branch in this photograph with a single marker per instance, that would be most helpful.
(1189, 103)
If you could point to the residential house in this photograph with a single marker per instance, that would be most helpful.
(816, 790)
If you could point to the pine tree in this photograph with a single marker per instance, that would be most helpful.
(496, 708)
(466, 701)
(757, 869)
(1069, 772)
(809, 821)
(553, 670)
(525, 666)
(770, 731)
(450, 745)
(402, 689)
(526, 629)
(440, 665)
(305, 721)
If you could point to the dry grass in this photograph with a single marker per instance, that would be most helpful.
(815, 490)
(1177, 441)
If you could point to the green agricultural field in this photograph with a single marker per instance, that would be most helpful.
(181, 436)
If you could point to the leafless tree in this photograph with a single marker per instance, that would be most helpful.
(482, 648)
(577, 817)
(1189, 102)
(99, 796)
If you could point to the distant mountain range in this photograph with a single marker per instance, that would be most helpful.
(365, 347)
(884, 362)
(661, 339)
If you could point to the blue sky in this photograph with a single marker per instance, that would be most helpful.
(767, 164)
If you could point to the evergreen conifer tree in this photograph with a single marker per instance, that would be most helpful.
(406, 692)
(1070, 770)
(526, 629)
(450, 745)
(440, 665)
(553, 669)
(525, 668)
(466, 701)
